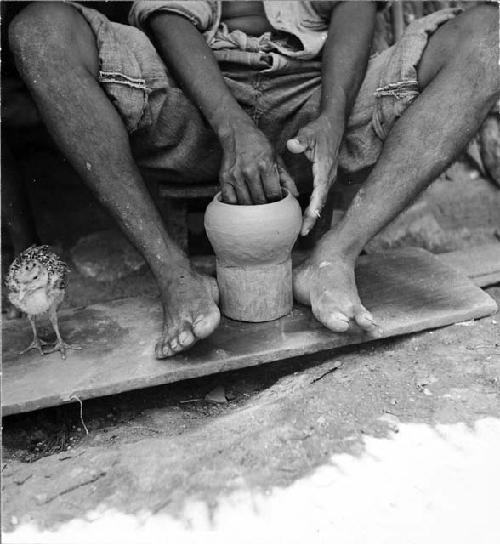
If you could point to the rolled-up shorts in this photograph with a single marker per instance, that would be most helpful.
(168, 133)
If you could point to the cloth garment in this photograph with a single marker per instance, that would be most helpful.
(289, 19)
(168, 133)
(300, 30)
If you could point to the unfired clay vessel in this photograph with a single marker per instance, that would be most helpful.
(253, 248)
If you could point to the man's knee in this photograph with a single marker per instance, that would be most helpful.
(480, 20)
(473, 46)
(478, 34)
(41, 31)
(36, 27)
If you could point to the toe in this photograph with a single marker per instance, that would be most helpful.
(365, 320)
(186, 338)
(336, 322)
(331, 317)
(181, 340)
(176, 340)
(174, 344)
(162, 349)
(204, 325)
(334, 313)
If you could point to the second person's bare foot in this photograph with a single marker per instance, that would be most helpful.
(327, 284)
(190, 312)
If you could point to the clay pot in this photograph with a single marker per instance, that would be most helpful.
(253, 247)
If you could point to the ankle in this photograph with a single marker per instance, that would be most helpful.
(332, 250)
(169, 273)
(341, 247)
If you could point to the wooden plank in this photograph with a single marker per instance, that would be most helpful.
(481, 263)
(407, 291)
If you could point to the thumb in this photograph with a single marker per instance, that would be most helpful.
(294, 145)
(300, 143)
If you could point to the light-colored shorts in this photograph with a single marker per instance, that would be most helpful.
(168, 133)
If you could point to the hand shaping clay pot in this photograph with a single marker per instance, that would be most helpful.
(253, 247)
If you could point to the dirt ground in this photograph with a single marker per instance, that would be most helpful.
(157, 449)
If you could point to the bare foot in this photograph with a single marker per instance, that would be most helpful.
(328, 286)
(190, 312)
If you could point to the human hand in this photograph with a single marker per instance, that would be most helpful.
(320, 141)
(251, 172)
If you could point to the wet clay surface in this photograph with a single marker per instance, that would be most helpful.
(156, 449)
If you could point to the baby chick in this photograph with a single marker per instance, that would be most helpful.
(36, 283)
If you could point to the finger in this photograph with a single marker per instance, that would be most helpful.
(313, 211)
(234, 177)
(271, 181)
(295, 146)
(286, 179)
(229, 194)
(323, 173)
(254, 186)
(243, 194)
(226, 182)
(308, 222)
(288, 186)
(304, 142)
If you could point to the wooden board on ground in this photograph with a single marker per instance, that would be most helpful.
(407, 291)
(481, 263)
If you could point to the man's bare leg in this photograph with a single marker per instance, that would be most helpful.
(56, 54)
(459, 77)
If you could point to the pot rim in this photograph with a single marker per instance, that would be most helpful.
(289, 196)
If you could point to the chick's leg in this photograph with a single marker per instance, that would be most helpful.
(37, 342)
(60, 344)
